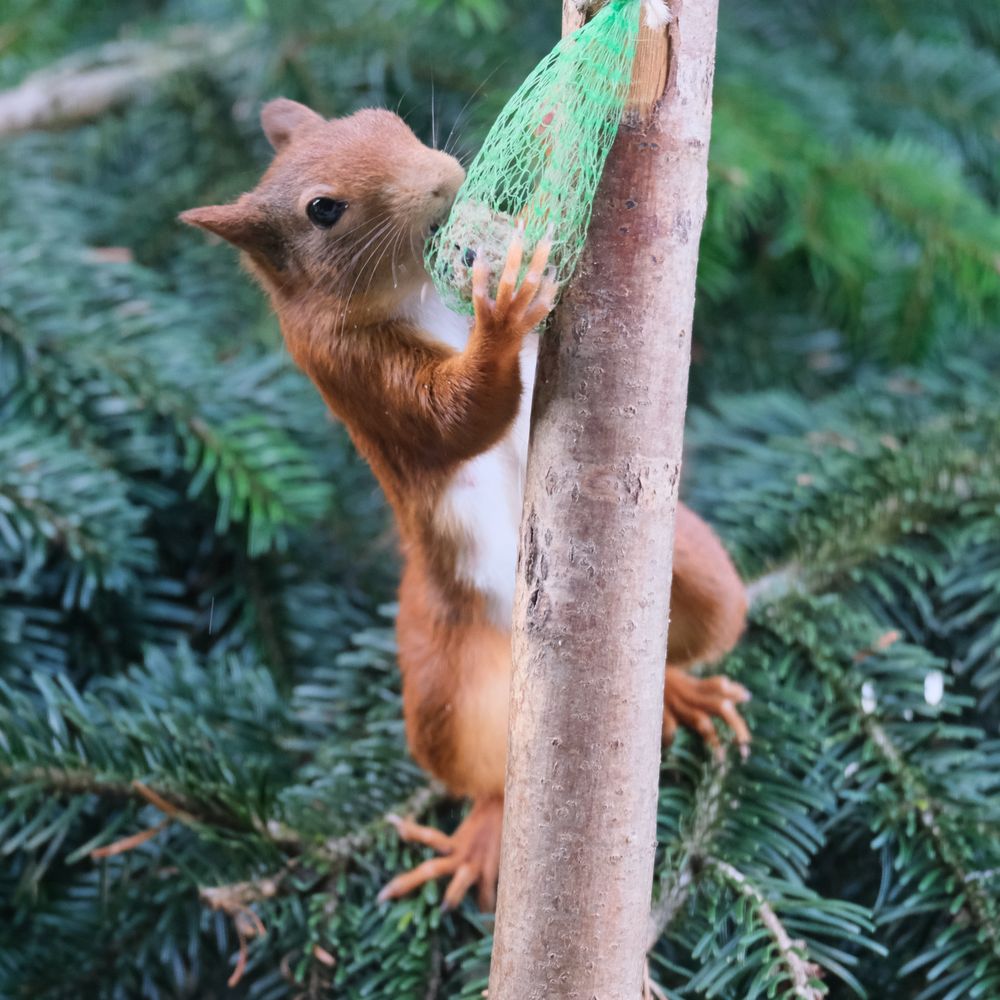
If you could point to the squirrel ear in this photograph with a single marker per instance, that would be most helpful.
(243, 224)
(281, 117)
(234, 223)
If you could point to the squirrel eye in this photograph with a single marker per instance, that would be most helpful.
(325, 212)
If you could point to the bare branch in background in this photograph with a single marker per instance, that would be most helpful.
(86, 85)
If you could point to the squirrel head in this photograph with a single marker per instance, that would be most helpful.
(343, 210)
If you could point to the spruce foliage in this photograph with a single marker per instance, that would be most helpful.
(200, 721)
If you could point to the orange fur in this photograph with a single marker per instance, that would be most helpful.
(418, 410)
(708, 603)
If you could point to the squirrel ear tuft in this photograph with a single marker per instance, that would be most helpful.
(281, 117)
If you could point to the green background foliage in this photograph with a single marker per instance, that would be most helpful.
(195, 568)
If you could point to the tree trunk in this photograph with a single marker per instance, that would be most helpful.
(590, 619)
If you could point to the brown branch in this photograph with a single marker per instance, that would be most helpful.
(128, 843)
(979, 905)
(235, 901)
(800, 969)
(154, 798)
(82, 87)
(237, 896)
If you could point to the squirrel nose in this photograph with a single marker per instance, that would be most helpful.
(444, 192)
(449, 177)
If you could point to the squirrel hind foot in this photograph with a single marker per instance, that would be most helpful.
(694, 702)
(470, 856)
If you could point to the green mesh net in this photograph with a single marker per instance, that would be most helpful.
(543, 157)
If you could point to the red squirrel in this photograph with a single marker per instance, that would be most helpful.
(438, 404)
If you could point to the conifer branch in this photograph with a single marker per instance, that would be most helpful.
(268, 629)
(679, 879)
(434, 975)
(190, 811)
(337, 850)
(183, 808)
(979, 904)
(236, 899)
(800, 970)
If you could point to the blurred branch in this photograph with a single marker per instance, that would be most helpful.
(85, 85)
(70, 781)
(773, 586)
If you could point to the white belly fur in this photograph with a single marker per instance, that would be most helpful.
(481, 508)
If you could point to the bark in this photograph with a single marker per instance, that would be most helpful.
(590, 619)
(85, 86)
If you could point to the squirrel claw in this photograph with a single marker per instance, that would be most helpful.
(471, 856)
(694, 701)
(518, 307)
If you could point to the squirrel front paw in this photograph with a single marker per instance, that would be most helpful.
(516, 310)
(695, 701)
